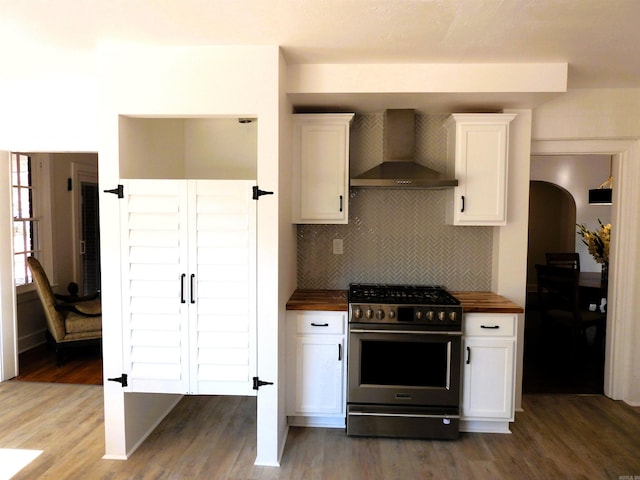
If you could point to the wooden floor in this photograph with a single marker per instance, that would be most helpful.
(549, 366)
(82, 366)
(556, 437)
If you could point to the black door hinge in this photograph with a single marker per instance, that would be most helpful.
(257, 193)
(122, 379)
(119, 191)
(257, 383)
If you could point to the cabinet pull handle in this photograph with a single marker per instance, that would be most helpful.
(193, 276)
(341, 203)
(468, 355)
(462, 208)
(491, 327)
(339, 352)
(182, 300)
(313, 324)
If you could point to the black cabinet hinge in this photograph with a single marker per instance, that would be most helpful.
(119, 191)
(69, 185)
(257, 193)
(257, 383)
(122, 379)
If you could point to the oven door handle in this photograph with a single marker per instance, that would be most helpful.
(404, 332)
(407, 415)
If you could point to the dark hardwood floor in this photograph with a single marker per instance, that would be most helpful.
(82, 366)
(549, 366)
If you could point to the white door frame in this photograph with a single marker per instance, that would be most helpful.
(80, 173)
(8, 327)
(623, 303)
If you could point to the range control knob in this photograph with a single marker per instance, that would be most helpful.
(357, 312)
(419, 315)
(369, 313)
(431, 315)
(452, 316)
(441, 315)
(392, 314)
(380, 314)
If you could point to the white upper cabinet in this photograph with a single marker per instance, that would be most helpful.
(321, 168)
(477, 155)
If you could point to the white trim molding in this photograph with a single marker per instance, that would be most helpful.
(622, 358)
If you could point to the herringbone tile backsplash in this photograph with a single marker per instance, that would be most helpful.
(396, 236)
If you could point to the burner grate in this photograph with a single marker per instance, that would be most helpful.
(400, 294)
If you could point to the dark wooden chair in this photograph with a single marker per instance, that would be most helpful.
(560, 306)
(563, 259)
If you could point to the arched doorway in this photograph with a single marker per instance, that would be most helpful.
(552, 220)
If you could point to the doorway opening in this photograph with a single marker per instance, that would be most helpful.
(70, 256)
(558, 202)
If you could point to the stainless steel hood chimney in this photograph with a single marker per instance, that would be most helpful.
(399, 168)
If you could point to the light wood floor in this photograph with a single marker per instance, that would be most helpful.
(557, 437)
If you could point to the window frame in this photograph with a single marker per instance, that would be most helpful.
(41, 204)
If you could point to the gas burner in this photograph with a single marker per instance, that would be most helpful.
(400, 294)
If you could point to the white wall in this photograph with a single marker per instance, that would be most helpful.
(510, 242)
(577, 174)
(213, 81)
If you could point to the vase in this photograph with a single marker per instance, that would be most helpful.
(604, 277)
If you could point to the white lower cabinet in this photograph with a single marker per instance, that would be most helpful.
(316, 368)
(488, 372)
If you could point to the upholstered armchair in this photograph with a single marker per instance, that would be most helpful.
(71, 321)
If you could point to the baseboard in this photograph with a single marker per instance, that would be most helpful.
(324, 422)
(484, 426)
(27, 342)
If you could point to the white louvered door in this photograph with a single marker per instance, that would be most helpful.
(189, 286)
(154, 258)
(223, 259)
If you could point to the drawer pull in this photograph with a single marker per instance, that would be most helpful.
(491, 327)
(313, 324)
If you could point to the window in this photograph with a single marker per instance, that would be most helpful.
(26, 223)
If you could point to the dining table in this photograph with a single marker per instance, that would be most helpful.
(592, 289)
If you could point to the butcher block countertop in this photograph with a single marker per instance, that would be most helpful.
(336, 301)
(332, 300)
(486, 302)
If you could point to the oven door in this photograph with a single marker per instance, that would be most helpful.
(401, 367)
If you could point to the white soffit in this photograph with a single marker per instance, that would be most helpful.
(425, 87)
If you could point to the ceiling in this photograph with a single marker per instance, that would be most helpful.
(599, 39)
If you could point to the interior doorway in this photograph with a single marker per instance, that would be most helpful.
(86, 238)
(70, 254)
(552, 220)
(558, 202)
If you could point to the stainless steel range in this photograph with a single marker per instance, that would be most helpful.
(405, 351)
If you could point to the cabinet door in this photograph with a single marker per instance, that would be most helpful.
(319, 375)
(188, 262)
(478, 146)
(154, 265)
(321, 169)
(488, 378)
(222, 260)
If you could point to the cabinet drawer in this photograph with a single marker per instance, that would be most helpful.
(320, 322)
(494, 325)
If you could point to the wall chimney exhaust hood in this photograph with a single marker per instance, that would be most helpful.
(399, 168)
